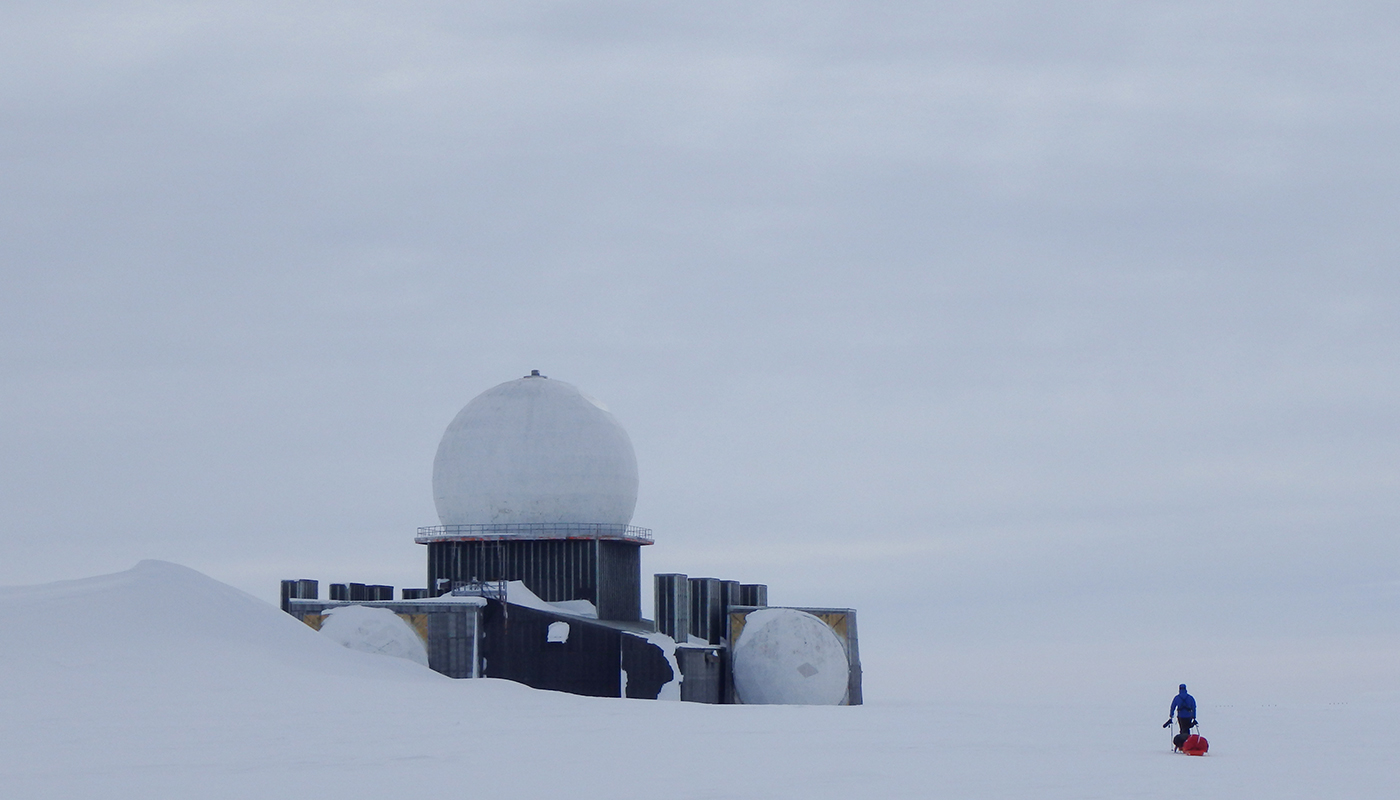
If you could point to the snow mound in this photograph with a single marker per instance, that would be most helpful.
(578, 608)
(162, 623)
(519, 594)
(374, 630)
(786, 656)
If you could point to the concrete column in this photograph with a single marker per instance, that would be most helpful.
(673, 605)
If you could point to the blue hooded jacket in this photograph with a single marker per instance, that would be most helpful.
(1183, 705)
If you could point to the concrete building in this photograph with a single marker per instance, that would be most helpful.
(534, 572)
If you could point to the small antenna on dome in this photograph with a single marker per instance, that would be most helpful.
(534, 373)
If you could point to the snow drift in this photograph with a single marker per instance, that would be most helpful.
(168, 622)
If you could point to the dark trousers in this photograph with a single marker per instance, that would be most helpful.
(1186, 723)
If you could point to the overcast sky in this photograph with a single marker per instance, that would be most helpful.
(1076, 325)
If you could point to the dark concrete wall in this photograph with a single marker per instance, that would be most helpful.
(515, 646)
(646, 667)
(452, 644)
(554, 569)
(705, 670)
(605, 573)
(619, 581)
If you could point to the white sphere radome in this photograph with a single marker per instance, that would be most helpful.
(374, 630)
(786, 656)
(535, 450)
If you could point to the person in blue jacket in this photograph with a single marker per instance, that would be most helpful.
(1184, 709)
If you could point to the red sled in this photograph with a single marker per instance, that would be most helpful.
(1195, 745)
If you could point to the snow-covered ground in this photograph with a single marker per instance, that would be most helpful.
(163, 683)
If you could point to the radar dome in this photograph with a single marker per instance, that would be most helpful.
(374, 630)
(786, 656)
(534, 451)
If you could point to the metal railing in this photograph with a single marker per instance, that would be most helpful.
(496, 590)
(534, 530)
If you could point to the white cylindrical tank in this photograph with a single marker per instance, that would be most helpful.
(786, 656)
(535, 450)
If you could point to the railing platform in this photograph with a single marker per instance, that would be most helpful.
(534, 530)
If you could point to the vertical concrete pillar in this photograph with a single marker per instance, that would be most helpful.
(706, 608)
(728, 596)
(673, 605)
(753, 594)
